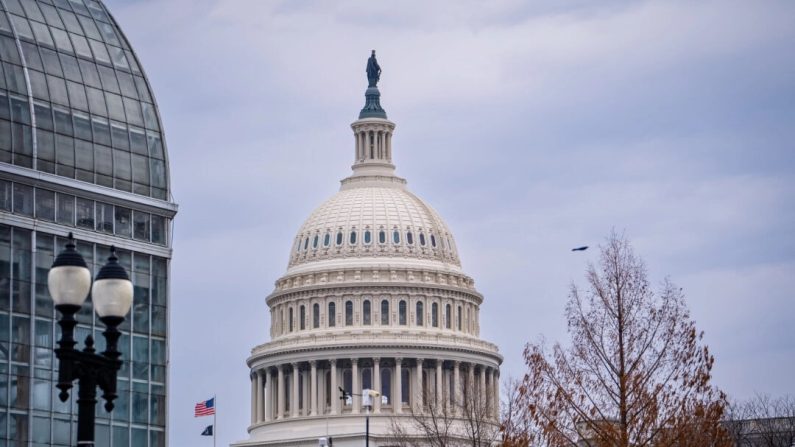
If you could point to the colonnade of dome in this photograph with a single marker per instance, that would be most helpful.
(310, 388)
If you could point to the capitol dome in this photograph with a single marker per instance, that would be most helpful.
(374, 298)
(383, 224)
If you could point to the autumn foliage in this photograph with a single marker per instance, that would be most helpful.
(636, 372)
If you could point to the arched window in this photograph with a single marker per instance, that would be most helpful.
(314, 241)
(448, 319)
(339, 238)
(315, 315)
(420, 319)
(396, 237)
(422, 239)
(326, 240)
(405, 390)
(402, 313)
(349, 313)
(352, 239)
(433, 241)
(459, 318)
(435, 314)
(332, 314)
(291, 319)
(302, 314)
(382, 237)
(368, 237)
(367, 379)
(384, 312)
(386, 384)
(409, 238)
(366, 313)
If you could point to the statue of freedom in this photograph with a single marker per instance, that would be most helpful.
(373, 71)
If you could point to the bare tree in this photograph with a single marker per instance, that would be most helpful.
(470, 421)
(516, 428)
(763, 422)
(636, 372)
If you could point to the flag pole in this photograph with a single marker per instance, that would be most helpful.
(215, 425)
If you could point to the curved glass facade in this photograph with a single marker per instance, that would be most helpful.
(73, 99)
(81, 150)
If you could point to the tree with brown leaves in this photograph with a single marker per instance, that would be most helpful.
(636, 372)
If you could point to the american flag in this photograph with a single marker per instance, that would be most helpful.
(205, 408)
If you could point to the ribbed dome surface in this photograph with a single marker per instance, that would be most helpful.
(374, 221)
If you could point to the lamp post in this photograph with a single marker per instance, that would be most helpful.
(69, 281)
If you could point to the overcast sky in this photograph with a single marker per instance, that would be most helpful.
(531, 129)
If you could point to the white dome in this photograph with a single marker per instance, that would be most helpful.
(369, 221)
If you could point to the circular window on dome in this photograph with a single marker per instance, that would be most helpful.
(352, 239)
(327, 239)
(339, 238)
(396, 237)
(433, 241)
(382, 237)
(422, 239)
(368, 237)
(306, 243)
(409, 238)
(315, 241)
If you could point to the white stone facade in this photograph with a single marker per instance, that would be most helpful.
(374, 297)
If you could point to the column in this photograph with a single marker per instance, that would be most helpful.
(367, 143)
(496, 383)
(335, 402)
(313, 387)
(470, 395)
(294, 396)
(266, 392)
(253, 399)
(482, 394)
(377, 384)
(397, 384)
(418, 393)
(357, 388)
(439, 387)
(280, 393)
(456, 398)
(258, 396)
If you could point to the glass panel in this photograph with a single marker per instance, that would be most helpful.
(66, 209)
(45, 204)
(5, 197)
(61, 40)
(23, 199)
(85, 213)
(141, 223)
(100, 51)
(123, 221)
(77, 95)
(158, 229)
(104, 217)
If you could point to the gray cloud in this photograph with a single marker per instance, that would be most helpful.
(530, 127)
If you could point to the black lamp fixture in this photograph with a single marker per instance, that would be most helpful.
(69, 281)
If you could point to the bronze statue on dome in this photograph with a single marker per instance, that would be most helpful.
(373, 71)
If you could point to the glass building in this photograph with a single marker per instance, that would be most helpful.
(81, 150)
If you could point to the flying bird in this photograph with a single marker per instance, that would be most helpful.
(583, 248)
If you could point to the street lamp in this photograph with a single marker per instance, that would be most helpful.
(367, 402)
(69, 281)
